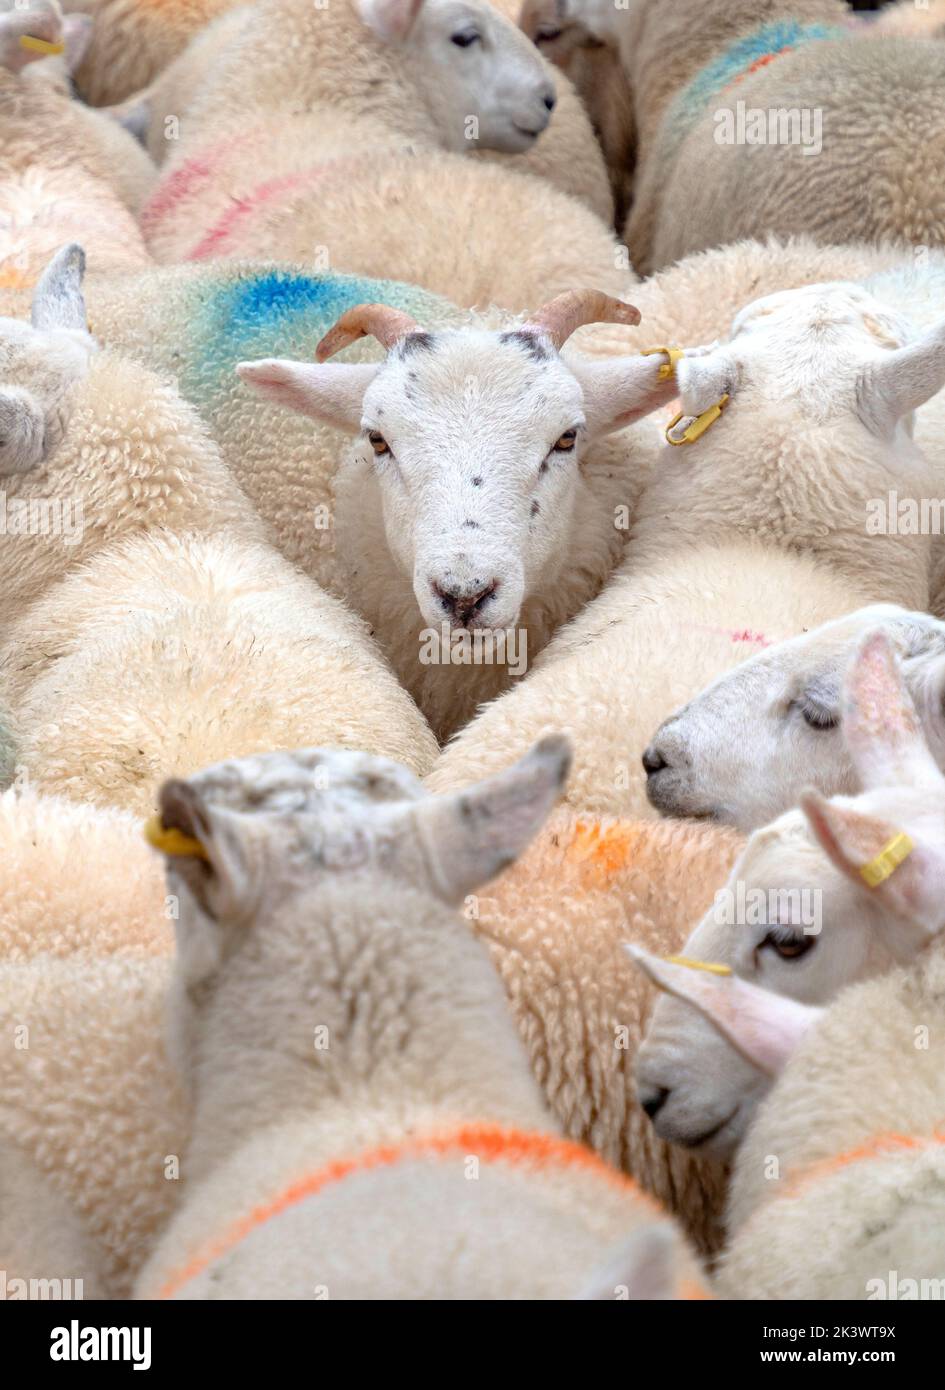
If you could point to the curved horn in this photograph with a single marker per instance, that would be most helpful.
(566, 312)
(378, 321)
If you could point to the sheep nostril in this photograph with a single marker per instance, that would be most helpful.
(653, 760)
(463, 604)
(551, 101)
(654, 1103)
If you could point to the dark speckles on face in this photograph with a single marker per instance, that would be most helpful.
(544, 468)
(477, 482)
(531, 343)
(535, 509)
(415, 342)
(473, 525)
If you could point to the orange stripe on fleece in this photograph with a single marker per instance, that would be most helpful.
(516, 1147)
(879, 1146)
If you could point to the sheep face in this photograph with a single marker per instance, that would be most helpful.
(270, 839)
(474, 440)
(483, 82)
(788, 922)
(475, 443)
(700, 762)
(829, 895)
(40, 363)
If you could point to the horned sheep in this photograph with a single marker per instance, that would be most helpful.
(818, 394)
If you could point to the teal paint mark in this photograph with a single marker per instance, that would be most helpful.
(732, 64)
(281, 313)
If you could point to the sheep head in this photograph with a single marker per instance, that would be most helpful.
(41, 362)
(836, 892)
(484, 85)
(474, 438)
(699, 762)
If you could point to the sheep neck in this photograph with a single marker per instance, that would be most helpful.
(393, 1011)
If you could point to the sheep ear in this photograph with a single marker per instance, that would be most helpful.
(643, 1268)
(880, 725)
(331, 392)
(913, 891)
(19, 24)
(704, 378)
(902, 380)
(618, 391)
(470, 836)
(205, 845)
(390, 20)
(57, 298)
(765, 1027)
(133, 115)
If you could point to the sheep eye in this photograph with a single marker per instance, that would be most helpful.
(378, 443)
(788, 947)
(817, 718)
(465, 40)
(565, 443)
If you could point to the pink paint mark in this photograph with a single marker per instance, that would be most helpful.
(213, 242)
(185, 180)
(737, 634)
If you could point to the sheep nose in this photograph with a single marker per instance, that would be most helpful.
(654, 1102)
(464, 601)
(653, 760)
(551, 100)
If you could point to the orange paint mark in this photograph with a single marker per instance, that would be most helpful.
(519, 1148)
(756, 66)
(13, 279)
(605, 848)
(879, 1146)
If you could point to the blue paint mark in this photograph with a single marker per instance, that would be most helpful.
(240, 315)
(733, 63)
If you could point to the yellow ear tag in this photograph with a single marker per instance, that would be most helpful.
(41, 45)
(172, 841)
(710, 966)
(887, 861)
(698, 424)
(668, 368)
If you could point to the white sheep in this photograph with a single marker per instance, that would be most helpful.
(65, 170)
(152, 626)
(253, 172)
(838, 1191)
(392, 1141)
(748, 124)
(479, 502)
(822, 383)
(799, 918)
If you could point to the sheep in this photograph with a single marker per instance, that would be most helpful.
(711, 567)
(428, 79)
(610, 879)
(798, 918)
(55, 151)
(436, 218)
(790, 81)
(44, 1252)
(466, 510)
(699, 762)
(414, 1062)
(118, 612)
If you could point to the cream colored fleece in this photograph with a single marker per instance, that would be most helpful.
(841, 1179)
